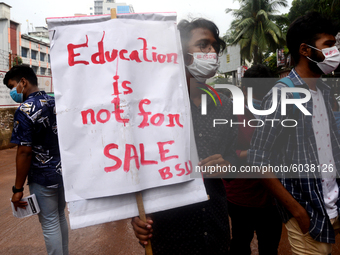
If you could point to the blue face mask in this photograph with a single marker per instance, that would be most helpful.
(17, 97)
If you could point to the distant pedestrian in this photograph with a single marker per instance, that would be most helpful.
(38, 157)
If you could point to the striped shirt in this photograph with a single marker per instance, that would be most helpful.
(278, 145)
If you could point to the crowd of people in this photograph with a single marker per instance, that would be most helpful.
(308, 203)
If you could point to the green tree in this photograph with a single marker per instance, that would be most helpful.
(17, 61)
(255, 27)
(271, 61)
(299, 8)
(329, 8)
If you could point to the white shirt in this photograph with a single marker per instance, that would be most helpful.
(326, 160)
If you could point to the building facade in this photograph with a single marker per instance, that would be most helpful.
(16, 48)
(230, 62)
(36, 53)
(104, 7)
(9, 37)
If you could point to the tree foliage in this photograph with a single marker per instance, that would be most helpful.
(255, 28)
(329, 8)
(17, 61)
(271, 61)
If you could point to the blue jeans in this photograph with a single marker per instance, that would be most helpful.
(52, 218)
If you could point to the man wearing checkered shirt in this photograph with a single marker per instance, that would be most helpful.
(309, 201)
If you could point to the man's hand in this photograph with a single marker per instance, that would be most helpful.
(142, 230)
(243, 156)
(16, 200)
(287, 200)
(23, 160)
(303, 219)
(213, 160)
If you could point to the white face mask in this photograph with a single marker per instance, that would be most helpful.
(204, 65)
(331, 61)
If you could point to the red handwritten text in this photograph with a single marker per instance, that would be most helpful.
(131, 154)
(102, 56)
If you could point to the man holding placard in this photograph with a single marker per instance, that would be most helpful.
(38, 156)
(201, 228)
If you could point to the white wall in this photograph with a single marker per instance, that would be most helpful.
(234, 59)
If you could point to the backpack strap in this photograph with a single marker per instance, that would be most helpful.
(290, 84)
(288, 131)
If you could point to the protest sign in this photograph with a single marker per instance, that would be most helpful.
(122, 106)
(86, 212)
(89, 212)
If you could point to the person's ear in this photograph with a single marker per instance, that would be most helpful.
(24, 82)
(305, 50)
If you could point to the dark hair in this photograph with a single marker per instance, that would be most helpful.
(307, 29)
(252, 79)
(258, 71)
(21, 71)
(185, 27)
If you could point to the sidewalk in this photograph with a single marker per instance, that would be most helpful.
(24, 236)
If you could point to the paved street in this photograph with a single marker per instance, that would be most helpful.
(24, 236)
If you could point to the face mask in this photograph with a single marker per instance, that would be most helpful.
(204, 65)
(17, 97)
(331, 61)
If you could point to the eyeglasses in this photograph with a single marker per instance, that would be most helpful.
(207, 47)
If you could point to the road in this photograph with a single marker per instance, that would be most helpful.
(24, 236)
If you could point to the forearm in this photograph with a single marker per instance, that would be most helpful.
(23, 163)
(281, 194)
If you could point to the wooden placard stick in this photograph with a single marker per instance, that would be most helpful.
(139, 197)
(142, 216)
(113, 13)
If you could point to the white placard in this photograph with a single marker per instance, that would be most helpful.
(89, 212)
(86, 212)
(122, 107)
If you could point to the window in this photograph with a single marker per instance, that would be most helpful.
(98, 3)
(108, 8)
(91, 8)
(123, 9)
(42, 56)
(48, 58)
(98, 10)
(35, 69)
(34, 54)
(24, 52)
(48, 71)
(42, 70)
